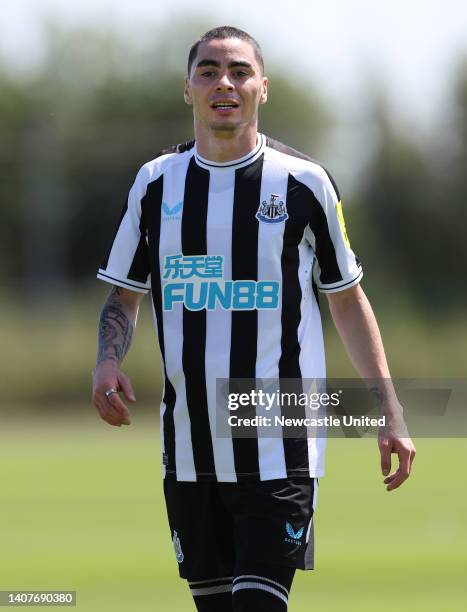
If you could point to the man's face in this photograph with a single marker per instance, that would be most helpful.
(225, 85)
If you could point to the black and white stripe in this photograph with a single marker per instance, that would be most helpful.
(194, 242)
(244, 330)
(212, 586)
(251, 581)
(216, 206)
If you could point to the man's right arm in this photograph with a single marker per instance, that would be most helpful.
(116, 325)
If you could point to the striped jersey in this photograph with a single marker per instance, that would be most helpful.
(234, 255)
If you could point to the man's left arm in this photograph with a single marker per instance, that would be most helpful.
(356, 323)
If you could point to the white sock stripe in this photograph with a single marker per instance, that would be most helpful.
(229, 578)
(212, 590)
(261, 587)
(237, 578)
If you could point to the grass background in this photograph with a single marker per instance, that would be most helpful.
(82, 509)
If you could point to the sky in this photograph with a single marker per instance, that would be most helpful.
(410, 46)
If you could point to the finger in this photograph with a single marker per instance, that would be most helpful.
(127, 387)
(107, 413)
(385, 450)
(397, 482)
(412, 457)
(105, 409)
(110, 414)
(119, 408)
(403, 470)
(110, 409)
(118, 405)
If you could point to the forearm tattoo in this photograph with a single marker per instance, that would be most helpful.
(378, 395)
(115, 330)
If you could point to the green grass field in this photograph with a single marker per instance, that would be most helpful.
(81, 508)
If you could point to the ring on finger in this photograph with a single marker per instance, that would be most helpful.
(110, 392)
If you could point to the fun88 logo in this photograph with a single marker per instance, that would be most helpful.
(197, 281)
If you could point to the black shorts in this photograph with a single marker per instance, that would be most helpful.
(218, 526)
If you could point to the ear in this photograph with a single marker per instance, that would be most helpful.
(264, 91)
(187, 92)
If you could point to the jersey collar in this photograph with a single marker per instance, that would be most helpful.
(233, 163)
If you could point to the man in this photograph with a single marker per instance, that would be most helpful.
(233, 233)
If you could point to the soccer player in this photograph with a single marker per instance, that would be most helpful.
(234, 234)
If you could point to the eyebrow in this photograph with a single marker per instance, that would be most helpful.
(233, 64)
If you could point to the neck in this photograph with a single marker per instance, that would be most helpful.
(224, 145)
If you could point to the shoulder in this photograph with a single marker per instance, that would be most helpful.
(165, 159)
(177, 149)
(302, 167)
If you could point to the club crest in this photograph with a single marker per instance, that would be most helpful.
(273, 211)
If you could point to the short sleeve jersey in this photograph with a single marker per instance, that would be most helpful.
(234, 255)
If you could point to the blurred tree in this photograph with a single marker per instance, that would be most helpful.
(457, 160)
(414, 217)
(19, 109)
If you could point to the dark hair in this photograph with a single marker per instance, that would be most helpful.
(221, 33)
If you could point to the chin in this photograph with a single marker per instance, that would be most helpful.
(224, 127)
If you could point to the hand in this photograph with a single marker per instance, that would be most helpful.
(389, 442)
(112, 409)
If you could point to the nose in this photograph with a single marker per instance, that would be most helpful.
(224, 83)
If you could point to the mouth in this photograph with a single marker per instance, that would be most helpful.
(224, 105)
